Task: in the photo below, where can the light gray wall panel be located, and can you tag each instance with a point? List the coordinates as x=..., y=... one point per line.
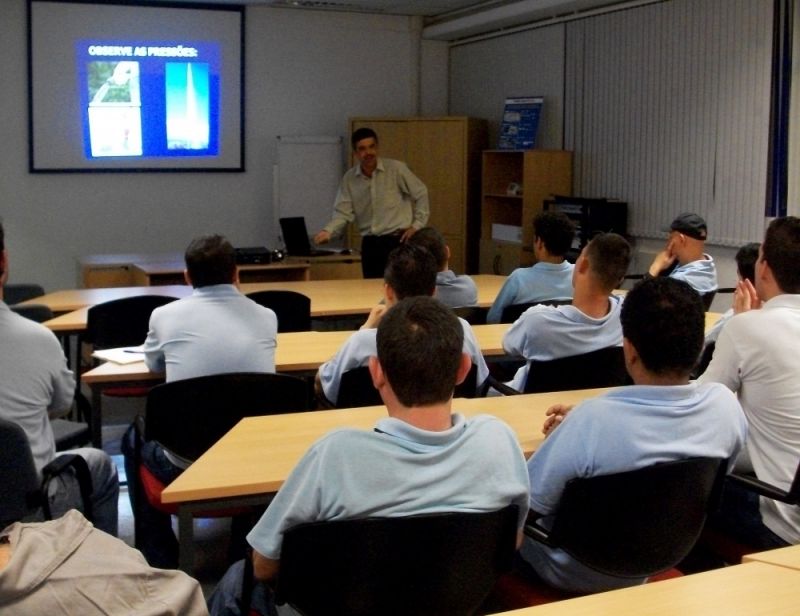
x=484, y=73
x=667, y=107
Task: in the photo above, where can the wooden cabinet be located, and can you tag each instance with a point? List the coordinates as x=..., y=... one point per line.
x=514, y=185
x=445, y=153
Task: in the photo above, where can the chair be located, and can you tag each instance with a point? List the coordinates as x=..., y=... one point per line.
x=443, y=563
x=633, y=524
x=23, y=493
x=601, y=368
x=708, y=299
x=727, y=548
x=187, y=417
x=122, y=322
x=356, y=388
x=35, y=312
x=514, y=311
x=474, y=315
x=292, y=309
x=70, y=434
x=20, y=292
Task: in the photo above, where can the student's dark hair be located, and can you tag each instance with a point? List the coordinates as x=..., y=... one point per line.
x=420, y=342
x=432, y=241
x=746, y=258
x=609, y=256
x=210, y=260
x=555, y=230
x=664, y=319
x=411, y=271
x=781, y=250
x=362, y=133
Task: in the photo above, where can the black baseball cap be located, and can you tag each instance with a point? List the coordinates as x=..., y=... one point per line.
x=690, y=225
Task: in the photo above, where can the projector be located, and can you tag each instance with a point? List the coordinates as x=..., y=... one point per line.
x=253, y=255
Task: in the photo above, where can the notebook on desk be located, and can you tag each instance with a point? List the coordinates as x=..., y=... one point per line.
x=295, y=237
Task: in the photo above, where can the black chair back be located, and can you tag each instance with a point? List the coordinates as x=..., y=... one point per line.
x=188, y=416
x=601, y=368
x=429, y=564
x=636, y=523
x=514, y=311
x=708, y=299
x=35, y=312
x=292, y=309
x=15, y=293
x=21, y=494
x=122, y=322
x=356, y=389
x=474, y=315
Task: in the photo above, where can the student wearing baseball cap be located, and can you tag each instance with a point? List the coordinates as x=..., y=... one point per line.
x=684, y=254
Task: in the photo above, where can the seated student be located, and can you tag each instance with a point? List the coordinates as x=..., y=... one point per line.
x=66, y=567
x=590, y=323
x=746, y=258
x=662, y=417
x=216, y=329
x=411, y=272
x=550, y=277
x=684, y=251
x=757, y=357
x=423, y=458
x=213, y=331
x=452, y=290
x=36, y=383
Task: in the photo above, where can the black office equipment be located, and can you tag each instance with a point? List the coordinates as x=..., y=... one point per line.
x=253, y=255
x=295, y=236
x=591, y=216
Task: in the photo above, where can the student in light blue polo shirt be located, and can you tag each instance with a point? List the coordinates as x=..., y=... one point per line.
x=452, y=289
x=422, y=458
x=550, y=277
x=684, y=251
x=662, y=417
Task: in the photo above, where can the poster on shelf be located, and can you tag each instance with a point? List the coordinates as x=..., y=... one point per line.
x=520, y=122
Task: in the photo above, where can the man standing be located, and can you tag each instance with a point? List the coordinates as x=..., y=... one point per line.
x=37, y=382
x=684, y=251
x=757, y=357
x=591, y=323
x=422, y=458
x=385, y=199
x=662, y=417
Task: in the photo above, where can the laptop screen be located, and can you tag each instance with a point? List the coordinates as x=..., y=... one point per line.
x=295, y=236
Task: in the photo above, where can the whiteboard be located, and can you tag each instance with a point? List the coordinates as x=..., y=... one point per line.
x=307, y=177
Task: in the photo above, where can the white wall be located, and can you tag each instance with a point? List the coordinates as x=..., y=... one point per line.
x=307, y=72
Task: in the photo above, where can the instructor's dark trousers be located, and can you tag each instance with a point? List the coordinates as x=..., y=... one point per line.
x=375, y=251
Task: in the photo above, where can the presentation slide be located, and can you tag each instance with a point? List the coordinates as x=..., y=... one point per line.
x=140, y=87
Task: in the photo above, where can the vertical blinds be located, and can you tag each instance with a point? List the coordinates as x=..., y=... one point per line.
x=667, y=107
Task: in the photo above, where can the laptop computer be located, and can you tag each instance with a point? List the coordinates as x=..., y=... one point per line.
x=295, y=237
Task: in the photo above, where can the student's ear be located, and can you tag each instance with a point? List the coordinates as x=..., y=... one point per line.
x=391, y=296
x=3, y=266
x=447, y=251
x=376, y=372
x=187, y=277
x=463, y=368
x=632, y=359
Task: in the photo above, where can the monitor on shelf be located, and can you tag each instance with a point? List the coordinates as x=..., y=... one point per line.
x=591, y=216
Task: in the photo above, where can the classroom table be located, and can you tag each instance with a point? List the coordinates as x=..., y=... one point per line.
x=252, y=461
x=751, y=588
x=298, y=352
x=329, y=298
x=782, y=557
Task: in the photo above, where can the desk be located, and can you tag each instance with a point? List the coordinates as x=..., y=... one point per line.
x=782, y=557
x=296, y=352
x=255, y=457
x=171, y=273
x=329, y=298
x=752, y=588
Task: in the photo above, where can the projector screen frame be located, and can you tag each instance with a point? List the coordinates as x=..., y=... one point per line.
x=153, y=164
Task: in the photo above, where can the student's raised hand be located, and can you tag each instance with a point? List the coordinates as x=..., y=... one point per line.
x=662, y=260
x=554, y=416
x=745, y=297
x=375, y=316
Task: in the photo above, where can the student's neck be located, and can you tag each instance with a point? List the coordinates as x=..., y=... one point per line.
x=692, y=256
x=649, y=378
x=546, y=257
x=593, y=303
x=433, y=417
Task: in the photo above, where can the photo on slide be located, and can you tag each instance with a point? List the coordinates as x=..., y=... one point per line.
x=187, y=94
x=115, y=122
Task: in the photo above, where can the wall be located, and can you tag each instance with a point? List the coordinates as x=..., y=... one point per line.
x=307, y=72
